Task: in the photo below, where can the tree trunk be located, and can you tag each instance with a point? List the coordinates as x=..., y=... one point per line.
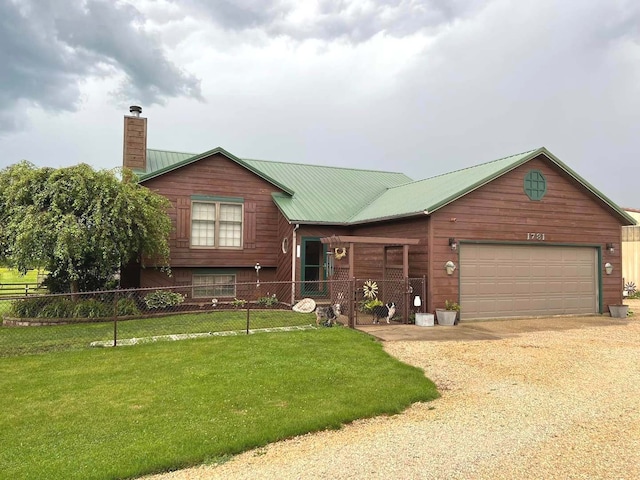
x=74, y=289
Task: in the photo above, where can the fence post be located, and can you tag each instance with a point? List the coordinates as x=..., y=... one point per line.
x=248, y=308
x=424, y=294
x=115, y=318
x=407, y=300
x=353, y=304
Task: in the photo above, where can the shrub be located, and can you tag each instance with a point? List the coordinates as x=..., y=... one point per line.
x=367, y=306
x=268, y=301
x=57, y=308
x=163, y=299
x=238, y=303
x=28, y=308
x=127, y=306
x=92, y=309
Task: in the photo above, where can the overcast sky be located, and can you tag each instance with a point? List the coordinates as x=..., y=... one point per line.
x=416, y=86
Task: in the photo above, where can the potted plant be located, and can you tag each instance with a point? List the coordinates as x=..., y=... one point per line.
x=448, y=314
x=619, y=311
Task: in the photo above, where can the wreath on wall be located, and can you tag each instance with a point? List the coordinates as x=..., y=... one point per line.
x=340, y=253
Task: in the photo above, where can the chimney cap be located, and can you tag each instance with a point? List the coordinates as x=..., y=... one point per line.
x=135, y=110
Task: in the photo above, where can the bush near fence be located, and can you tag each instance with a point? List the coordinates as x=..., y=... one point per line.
x=120, y=317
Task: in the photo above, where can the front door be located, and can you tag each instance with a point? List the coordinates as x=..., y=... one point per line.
x=313, y=267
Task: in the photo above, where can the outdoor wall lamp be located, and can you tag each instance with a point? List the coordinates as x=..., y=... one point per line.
x=610, y=248
x=453, y=244
x=608, y=268
x=450, y=267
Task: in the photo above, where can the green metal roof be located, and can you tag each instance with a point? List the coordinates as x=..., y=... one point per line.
x=161, y=159
x=326, y=194
x=426, y=196
x=333, y=195
x=312, y=193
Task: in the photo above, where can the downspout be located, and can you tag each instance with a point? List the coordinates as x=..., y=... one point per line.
x=294, y=249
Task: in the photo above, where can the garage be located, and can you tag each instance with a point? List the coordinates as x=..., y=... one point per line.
x=502, y=280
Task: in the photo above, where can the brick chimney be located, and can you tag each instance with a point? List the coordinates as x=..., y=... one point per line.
x=135, y=140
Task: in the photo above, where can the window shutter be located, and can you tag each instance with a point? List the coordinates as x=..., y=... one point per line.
x=183, y=222
x=250, y=225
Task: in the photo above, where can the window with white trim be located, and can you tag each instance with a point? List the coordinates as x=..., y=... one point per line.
x=214, y=285
x=216, y=224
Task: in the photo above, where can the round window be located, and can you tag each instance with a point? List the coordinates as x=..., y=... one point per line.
x=285, y=245
x=535, y=185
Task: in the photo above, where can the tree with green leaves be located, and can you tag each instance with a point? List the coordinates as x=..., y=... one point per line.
x=79, y=224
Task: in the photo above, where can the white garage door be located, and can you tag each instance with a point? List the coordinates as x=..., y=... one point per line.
x=521, y=280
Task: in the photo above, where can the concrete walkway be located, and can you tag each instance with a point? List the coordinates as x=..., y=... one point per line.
x=485, y=329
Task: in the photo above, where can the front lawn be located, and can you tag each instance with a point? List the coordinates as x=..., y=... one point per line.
x=126, y=412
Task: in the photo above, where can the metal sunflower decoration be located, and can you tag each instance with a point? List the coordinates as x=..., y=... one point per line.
x=370, y=289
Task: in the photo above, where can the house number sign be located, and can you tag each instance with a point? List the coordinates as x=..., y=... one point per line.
x=535, y=236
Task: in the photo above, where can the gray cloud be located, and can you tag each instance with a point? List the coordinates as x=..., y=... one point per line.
x=336, y=19
x=48, y=48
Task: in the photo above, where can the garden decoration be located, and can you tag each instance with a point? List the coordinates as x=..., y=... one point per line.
x=370, y=289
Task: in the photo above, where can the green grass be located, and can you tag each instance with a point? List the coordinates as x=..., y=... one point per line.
x=8, y=275
x=126, y=412
x=29, y=340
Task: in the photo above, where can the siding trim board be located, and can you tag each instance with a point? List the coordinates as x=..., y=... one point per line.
x=214, y=198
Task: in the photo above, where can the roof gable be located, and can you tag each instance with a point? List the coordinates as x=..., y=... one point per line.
x=160, y=162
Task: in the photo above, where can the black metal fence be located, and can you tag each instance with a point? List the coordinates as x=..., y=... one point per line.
x=43, y=323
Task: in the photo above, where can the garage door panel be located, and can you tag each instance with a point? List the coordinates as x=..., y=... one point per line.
x=521, y=280
x=539, y=271
x=487, y=270
x=520, y=288
x=504, y=288
x=485, y=288
x=538, y=287
x=518, y=255
x=583, y=271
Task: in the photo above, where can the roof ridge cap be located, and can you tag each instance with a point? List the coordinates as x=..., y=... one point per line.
x=323, y=166
x=365, y=205
x=484, y=163
x=172, y=151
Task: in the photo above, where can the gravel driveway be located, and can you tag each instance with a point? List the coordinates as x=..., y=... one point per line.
x=540, y=404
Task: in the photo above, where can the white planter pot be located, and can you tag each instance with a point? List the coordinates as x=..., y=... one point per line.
x=424, y=319
x=446, y=317
x=619, y=311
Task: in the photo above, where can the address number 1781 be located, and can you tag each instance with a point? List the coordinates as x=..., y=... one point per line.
x=535, y=236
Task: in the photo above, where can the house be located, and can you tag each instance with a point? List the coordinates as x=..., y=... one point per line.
x=520, y=236
x=631, y=251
